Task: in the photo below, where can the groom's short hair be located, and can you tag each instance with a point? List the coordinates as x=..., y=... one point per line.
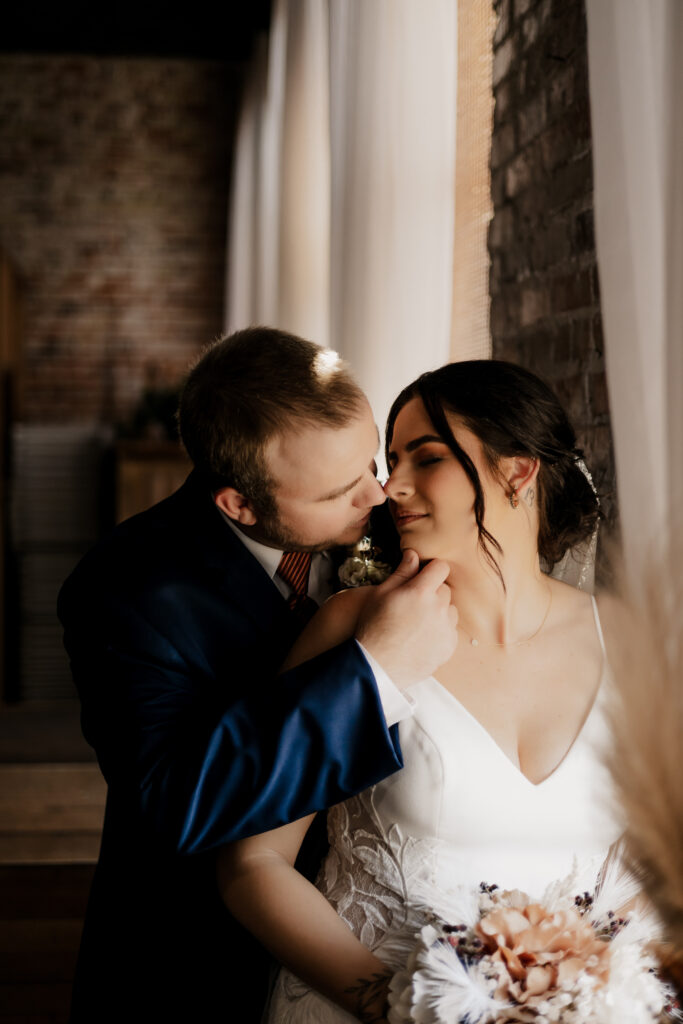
x=247, y=388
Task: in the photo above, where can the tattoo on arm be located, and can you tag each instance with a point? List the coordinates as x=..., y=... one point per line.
x=529, y=495
x=371, y=997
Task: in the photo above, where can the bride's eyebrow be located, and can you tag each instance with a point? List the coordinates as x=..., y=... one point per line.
x=415, y=443
x=412, y=445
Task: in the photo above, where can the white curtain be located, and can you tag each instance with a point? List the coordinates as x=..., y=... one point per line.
x=342, y=203
x=636, y=89
x=278, y=242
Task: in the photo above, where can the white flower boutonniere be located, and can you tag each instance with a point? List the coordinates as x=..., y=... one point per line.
x=362, y=568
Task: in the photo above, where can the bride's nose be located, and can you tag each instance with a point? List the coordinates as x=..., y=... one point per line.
x=398, y=485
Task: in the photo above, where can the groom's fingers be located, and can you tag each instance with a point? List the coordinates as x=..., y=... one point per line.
x=408, y=624
x=432, y=577
x=406, y=570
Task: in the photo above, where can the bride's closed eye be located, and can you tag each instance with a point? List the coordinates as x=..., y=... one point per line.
x=429, y=461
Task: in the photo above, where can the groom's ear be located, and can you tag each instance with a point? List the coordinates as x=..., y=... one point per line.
x=235, y=506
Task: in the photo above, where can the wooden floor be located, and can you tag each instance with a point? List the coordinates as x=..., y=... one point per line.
x=41, y=917
x=51, y=808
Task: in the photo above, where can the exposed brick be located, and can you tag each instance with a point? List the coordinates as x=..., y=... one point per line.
x=597, y=391
x=502, y=229
x=544, y=275
x=519, y=174
x=571, y=390
x=598, y=340
x=558, y=145
x=532, y=206
x=571, y=291
x=505, y=308
x=497, y=188
x=503, y=145
x=113, y=195
x=532, y=118
x=563, y=349
x=535, y=304
x=566, y=30
x=561, y=90
x=533, y=348
x=572, y=181
x=521, y=7
x=584, y=232
x=508, y=348
x=596, y=286
x=504, y=95
x=496, y=273
x=582, y=337
x=499, y=319
x=531, y=28
x=503, y=23
x=550, y=245
x=502, y=60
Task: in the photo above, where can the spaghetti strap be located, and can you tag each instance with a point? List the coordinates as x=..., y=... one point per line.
x=598, y=626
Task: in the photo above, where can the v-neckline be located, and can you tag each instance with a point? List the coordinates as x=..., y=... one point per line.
x=515, y=768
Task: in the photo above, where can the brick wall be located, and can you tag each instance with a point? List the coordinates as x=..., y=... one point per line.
x=545, y=298
x=113, y=197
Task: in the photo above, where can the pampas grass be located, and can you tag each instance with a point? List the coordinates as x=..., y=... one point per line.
x=644, y=635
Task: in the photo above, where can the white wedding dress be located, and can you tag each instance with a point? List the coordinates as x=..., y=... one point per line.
x=458, y=814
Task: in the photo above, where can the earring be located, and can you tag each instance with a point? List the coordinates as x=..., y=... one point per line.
x=514, y=500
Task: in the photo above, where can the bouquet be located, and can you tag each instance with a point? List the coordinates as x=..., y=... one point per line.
x=566, y=960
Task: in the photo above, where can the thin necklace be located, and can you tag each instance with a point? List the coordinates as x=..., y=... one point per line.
x=495, y=643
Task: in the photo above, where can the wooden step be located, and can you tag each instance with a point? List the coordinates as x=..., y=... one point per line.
x=50, y=813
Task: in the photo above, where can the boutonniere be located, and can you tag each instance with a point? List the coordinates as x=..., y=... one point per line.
x=362, y=567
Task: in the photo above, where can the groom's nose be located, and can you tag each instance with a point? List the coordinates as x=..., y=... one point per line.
x=371, y=493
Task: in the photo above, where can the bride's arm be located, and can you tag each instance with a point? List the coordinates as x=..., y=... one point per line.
x=288, y=915
x=294, y=921
x=335, y=622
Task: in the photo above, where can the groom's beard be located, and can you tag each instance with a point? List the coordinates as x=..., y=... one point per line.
x=273, y=531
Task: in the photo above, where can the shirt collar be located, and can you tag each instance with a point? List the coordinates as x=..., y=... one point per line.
x=267, y=557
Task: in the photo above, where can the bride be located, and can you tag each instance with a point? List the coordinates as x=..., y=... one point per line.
x=503, y=780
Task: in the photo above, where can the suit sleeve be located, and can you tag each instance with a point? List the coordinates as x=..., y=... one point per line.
x=202, y=773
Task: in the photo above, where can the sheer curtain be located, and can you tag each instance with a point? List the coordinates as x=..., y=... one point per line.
x=341, y=225
x=636, y=85
x=278, y=241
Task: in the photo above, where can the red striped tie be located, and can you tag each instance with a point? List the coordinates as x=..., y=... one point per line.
x=294, y=568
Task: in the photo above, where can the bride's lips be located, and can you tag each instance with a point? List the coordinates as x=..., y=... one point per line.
x=405, y=518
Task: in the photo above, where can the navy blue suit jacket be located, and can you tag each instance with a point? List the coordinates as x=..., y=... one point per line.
x=175, y=635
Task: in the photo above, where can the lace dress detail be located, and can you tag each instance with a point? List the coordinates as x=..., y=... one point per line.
x=373, y=876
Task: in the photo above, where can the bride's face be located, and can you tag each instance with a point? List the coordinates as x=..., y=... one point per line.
x=431, y=497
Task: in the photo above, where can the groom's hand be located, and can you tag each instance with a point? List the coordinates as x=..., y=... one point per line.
x=408, y=623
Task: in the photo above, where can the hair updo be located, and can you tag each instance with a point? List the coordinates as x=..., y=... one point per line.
x=512, y=412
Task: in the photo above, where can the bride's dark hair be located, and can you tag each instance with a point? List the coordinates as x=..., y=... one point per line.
x=512, y=412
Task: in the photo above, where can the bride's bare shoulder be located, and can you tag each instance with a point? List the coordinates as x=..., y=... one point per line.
x=335, y=622
x=568, y=598
x=576, y=614
x=575, y=600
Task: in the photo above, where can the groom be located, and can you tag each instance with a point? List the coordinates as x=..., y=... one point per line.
x=176, y=625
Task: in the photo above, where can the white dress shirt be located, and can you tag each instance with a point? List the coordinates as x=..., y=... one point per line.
x=396, y=704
